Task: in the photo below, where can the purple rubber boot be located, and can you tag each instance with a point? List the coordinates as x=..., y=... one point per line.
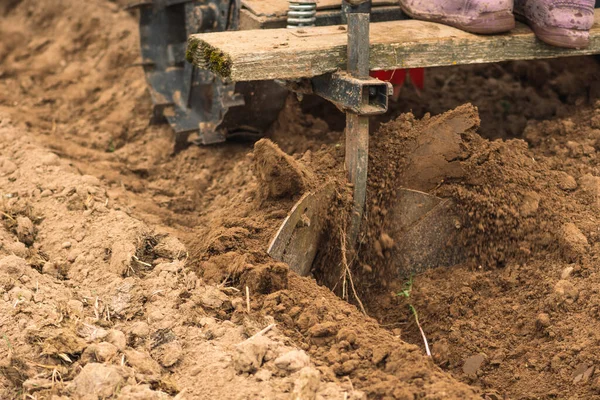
x=563, y=23
x=476, y=16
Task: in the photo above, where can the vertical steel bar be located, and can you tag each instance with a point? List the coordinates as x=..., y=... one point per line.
x=357, y=126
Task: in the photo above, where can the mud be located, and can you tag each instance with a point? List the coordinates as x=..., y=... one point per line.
x=128, y=271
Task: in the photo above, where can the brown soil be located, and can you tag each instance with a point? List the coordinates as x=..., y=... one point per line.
x=124, y=267
x=519, y=318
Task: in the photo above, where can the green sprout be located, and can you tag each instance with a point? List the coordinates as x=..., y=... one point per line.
x=406, y=293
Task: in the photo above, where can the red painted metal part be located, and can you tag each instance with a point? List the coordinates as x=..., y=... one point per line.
x=398, y=77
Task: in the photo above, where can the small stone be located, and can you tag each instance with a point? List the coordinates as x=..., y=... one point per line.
x=473, y=364
x=566, y=273
x=66, y=245
x=46, y=193
x=79, y=235
x=542, y=321
x=117, y=338
x=292, y=360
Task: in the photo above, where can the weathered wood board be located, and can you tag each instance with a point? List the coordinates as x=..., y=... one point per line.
x=307, y=52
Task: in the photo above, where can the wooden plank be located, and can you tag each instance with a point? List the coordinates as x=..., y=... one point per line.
x=279, y=8
x=307, y=52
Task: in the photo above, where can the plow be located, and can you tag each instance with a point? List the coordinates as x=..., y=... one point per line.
x=221, y=69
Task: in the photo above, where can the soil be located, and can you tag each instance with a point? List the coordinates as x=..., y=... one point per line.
x=518, y=317
x=129, y=271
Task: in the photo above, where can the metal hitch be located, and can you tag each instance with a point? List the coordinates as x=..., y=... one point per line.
x=362, y=96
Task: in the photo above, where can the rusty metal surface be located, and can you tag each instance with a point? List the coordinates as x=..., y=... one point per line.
x=297, y=240
x=191, y=99
x=368, y=96
x=357, y=125
x=425, y=229
x=280, y=7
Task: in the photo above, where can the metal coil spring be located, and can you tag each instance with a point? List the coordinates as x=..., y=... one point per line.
x=301, y=13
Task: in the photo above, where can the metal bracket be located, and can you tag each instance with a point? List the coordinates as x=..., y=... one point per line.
x=362, y=96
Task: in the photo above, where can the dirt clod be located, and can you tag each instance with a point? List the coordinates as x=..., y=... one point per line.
x=573, y=241
x=472, y=365
x=566, y=291
x=99, y=353
x=542, y=321
x=117, y=338
x=64, y=341
x=96, y=381
x=249, y=355
x=292, y=361
x=142, y=363
x=25, y=231
x=280, y=175
x=13, y=266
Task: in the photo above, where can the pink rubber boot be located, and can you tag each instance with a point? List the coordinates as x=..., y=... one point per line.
x=476, y=16
x=563, y=23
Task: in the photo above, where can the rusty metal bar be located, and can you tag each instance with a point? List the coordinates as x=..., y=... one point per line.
x=357, y=126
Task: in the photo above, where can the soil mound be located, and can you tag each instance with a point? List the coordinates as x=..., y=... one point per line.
x=528, y=225
x=99, y=293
